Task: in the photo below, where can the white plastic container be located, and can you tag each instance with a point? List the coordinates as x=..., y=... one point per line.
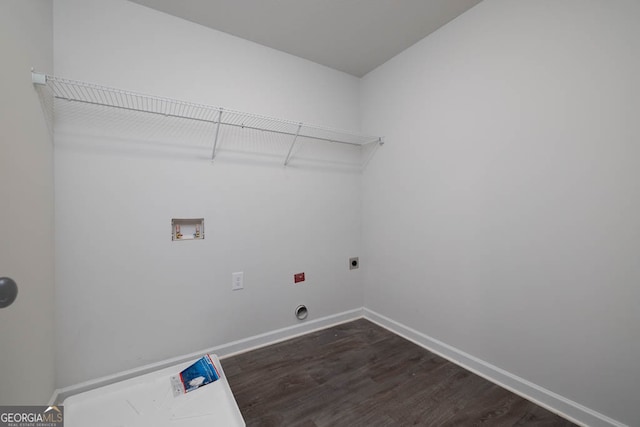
x=148, y=401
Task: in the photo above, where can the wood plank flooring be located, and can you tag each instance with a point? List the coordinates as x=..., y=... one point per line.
x=359, y=374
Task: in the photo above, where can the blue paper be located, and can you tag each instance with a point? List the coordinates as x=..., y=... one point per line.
x=200, y=373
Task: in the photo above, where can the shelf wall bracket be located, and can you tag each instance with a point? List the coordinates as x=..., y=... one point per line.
x=38, y=78
x=372, y=148
x=286, y=161
x=215, y=141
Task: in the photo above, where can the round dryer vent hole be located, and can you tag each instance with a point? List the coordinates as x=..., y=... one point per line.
x=301, y=312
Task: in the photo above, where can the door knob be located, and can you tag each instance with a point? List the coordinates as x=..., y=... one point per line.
x=8, y=291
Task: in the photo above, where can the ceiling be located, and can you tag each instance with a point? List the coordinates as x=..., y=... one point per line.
x=354, y=36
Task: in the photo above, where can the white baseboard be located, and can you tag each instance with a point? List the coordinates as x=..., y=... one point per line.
x=560, y=405
x=273, y=337
x=223, y=351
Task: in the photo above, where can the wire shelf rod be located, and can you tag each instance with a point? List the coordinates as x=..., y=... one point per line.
x=241, y=126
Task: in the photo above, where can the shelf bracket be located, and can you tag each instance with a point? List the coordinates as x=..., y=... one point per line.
x=215, y=141
x=38, y=78
x=286, y=161
x=374, y=146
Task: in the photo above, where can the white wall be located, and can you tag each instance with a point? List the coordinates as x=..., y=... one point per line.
x=26, y=214
x=504, y=215
x=127, y=295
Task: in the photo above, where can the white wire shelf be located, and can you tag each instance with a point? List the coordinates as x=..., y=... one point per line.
x=211, y=121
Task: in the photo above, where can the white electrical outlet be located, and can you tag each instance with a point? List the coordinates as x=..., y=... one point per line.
x=237, y=281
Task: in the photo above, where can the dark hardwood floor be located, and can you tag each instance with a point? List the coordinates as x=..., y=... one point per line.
x=359, y=374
